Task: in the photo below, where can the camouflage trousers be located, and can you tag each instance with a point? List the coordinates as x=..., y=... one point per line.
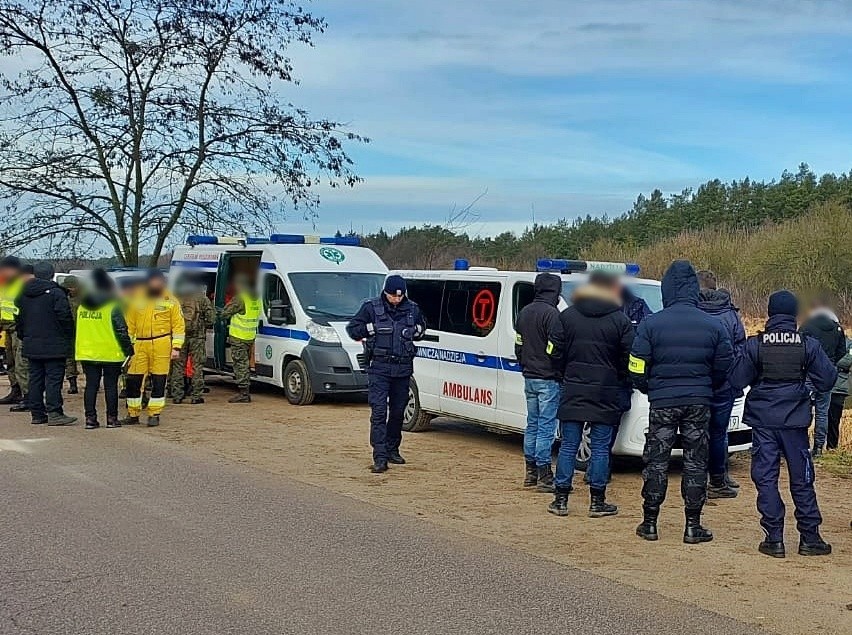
x=240, y=358
x=693, y=423
x=21, y=372
x=194, y=349
x=71, y=369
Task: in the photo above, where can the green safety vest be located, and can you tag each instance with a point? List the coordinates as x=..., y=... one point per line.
x=244, y=325
x=8, y=295
x=96, y=340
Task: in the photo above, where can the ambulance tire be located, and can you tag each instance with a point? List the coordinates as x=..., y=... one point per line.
x=297, y=383
x=415, y=420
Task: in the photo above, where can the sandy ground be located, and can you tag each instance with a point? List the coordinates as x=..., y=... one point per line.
x=469, y=480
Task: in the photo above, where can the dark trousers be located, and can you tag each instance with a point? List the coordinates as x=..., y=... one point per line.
x=94, y=371
x=45, y=393
x=387, y=397
x=768, y=447
x=720, y=418
x=693, y=423
x=835, y=412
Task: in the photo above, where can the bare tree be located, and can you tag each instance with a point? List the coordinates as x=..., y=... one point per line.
x=131, y=119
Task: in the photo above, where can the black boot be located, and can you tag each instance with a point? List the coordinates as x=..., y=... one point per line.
x=730, y=482
x=60, y=419
x=719, y=488
x=395, y=457
x=531, y=475
x=545, y=479
x=22, y=406
x=598, y=508
x=648, y=528
x=13, y=397
x=379, y=467
x=196, y=400
x=818, y=547
x=130, y=421
x=113, y=422
x=694, y=533
x=242, y=397
x=92, y=423
x=771, y=548
x=559, y=506
x=72, y=386
x=153, y=421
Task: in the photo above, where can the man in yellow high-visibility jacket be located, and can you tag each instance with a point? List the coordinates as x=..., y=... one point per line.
x=157, y=330
x=244, y=312
x=11, y=285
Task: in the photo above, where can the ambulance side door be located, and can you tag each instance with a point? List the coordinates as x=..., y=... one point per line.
x=428, y=293
x=511, y=403
x=277, y=318
x=468, y=348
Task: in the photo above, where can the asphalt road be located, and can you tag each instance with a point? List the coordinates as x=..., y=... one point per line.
x=115, y=532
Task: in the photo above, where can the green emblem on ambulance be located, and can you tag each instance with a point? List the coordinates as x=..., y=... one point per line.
x=334, y=255
x=268, y=352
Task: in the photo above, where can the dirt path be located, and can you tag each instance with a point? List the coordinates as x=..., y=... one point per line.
x=468, y=480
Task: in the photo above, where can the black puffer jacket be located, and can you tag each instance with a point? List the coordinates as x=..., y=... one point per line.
x=44, y=322
x=823, y=326
x=539, y=342
x=598, y=337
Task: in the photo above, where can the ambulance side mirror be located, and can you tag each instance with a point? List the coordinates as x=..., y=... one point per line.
x=280, y=313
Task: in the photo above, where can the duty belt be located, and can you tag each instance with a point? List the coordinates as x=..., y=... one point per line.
x=393, y=359
x=156, y=337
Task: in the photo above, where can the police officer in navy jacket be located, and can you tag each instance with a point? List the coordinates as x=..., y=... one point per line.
x=777, y=363
x=389, y=325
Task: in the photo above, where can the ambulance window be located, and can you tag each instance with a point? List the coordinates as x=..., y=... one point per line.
x=522, y=295
x=427, y=294
x=274, y=293
x=470, y=308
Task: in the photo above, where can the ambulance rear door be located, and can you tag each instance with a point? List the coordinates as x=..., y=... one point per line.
x=511, y=402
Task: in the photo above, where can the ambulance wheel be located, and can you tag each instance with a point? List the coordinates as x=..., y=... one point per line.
x=297, y=383
x=584, y=452
x=414, y=419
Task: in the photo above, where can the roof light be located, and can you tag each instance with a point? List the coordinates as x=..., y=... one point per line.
x=560, y=266
x=461, y=264
x=287, y=239
x=350, y=241
x=257, y=240
x=579, y=266
x=194, y=239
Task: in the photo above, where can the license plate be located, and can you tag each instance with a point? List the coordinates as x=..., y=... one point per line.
x=733, y=423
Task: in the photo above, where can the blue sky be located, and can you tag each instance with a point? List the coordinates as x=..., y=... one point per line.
x=571, y=107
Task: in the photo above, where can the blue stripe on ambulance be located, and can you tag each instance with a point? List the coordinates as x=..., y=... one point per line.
x=290, y=334
x=468, y=359
x=196, y=264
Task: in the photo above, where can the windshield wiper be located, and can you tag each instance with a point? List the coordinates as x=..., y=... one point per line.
x=332, y=316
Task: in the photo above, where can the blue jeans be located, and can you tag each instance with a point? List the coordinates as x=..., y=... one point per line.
x=822, y=402
x=542, y=404
x=598, y=468
x=720, y=417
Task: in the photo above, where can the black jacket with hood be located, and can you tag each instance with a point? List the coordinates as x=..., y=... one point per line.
x=681, y=354
x=44, y=323
x=539, y=341
x=598, y=337
x=823, y=326
x=97, y=299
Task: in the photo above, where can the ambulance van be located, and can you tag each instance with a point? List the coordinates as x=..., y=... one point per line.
x=466, y=366
x=310, y=287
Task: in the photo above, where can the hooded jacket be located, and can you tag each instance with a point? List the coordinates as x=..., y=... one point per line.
x=598, y=337
x=44, y=323
x=635, y=308
x=777, y=404
x=718, y=303
x=539, y=339
x=680, y=355
x=97, y=299
x=824, y=326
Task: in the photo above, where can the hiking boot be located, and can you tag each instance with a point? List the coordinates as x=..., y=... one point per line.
x=14, y=396
x=21, y=406
x=772, y=548
x=130, y=421
x=72, y=386
x=816, y=453
x=113, y=422
x=719, y=488
x=379, y=467
x=395, y=457
x=693, y=532
x=545, y=479
x=242, y=397
x=730, y=482
x=559, y=506
x=205, y=390
x=531, y=475
x=40, y=421
x=196, y=400
x=818, y=547
x=92, y=423
x=598, y=507
x=153, y=421
x=647, y=529
x=60, y=419
x=177, y=401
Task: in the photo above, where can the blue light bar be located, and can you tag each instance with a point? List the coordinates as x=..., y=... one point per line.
x=579, y=266
x=347, y=241
x=632, y=269
x=287, y=239
x=461, y=264
x=257, y=240
x=194, y=239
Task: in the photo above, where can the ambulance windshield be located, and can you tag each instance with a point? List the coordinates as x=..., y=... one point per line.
x=330, y=295
x=651, y=293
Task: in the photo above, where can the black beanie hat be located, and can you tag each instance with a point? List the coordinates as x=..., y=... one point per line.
x=783, y=303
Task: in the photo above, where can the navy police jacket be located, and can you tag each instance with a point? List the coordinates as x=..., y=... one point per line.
x=389, y=333
x=680, y=354
x=777, y=363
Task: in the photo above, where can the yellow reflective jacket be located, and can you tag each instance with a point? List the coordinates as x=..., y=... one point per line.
x=155, y=318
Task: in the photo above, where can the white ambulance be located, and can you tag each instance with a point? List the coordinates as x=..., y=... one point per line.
x=466, y=367
x=310, y=287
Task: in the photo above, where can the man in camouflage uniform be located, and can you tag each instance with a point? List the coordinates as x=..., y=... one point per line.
x=243, y=311
x=199, y=315
x=22, y=364
x=72, y=287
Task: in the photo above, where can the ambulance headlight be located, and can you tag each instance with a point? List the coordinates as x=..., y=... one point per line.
x=322, y=333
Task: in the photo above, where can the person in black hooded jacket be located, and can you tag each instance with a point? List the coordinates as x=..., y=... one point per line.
x=46, y=328
x=538, y=348
x=598, y=337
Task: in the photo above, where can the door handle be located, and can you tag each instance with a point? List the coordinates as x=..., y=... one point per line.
x=431, y=338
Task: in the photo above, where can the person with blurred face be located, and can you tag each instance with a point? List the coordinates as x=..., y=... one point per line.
x=156, y=328
x=243, y=311
x=11, y=285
